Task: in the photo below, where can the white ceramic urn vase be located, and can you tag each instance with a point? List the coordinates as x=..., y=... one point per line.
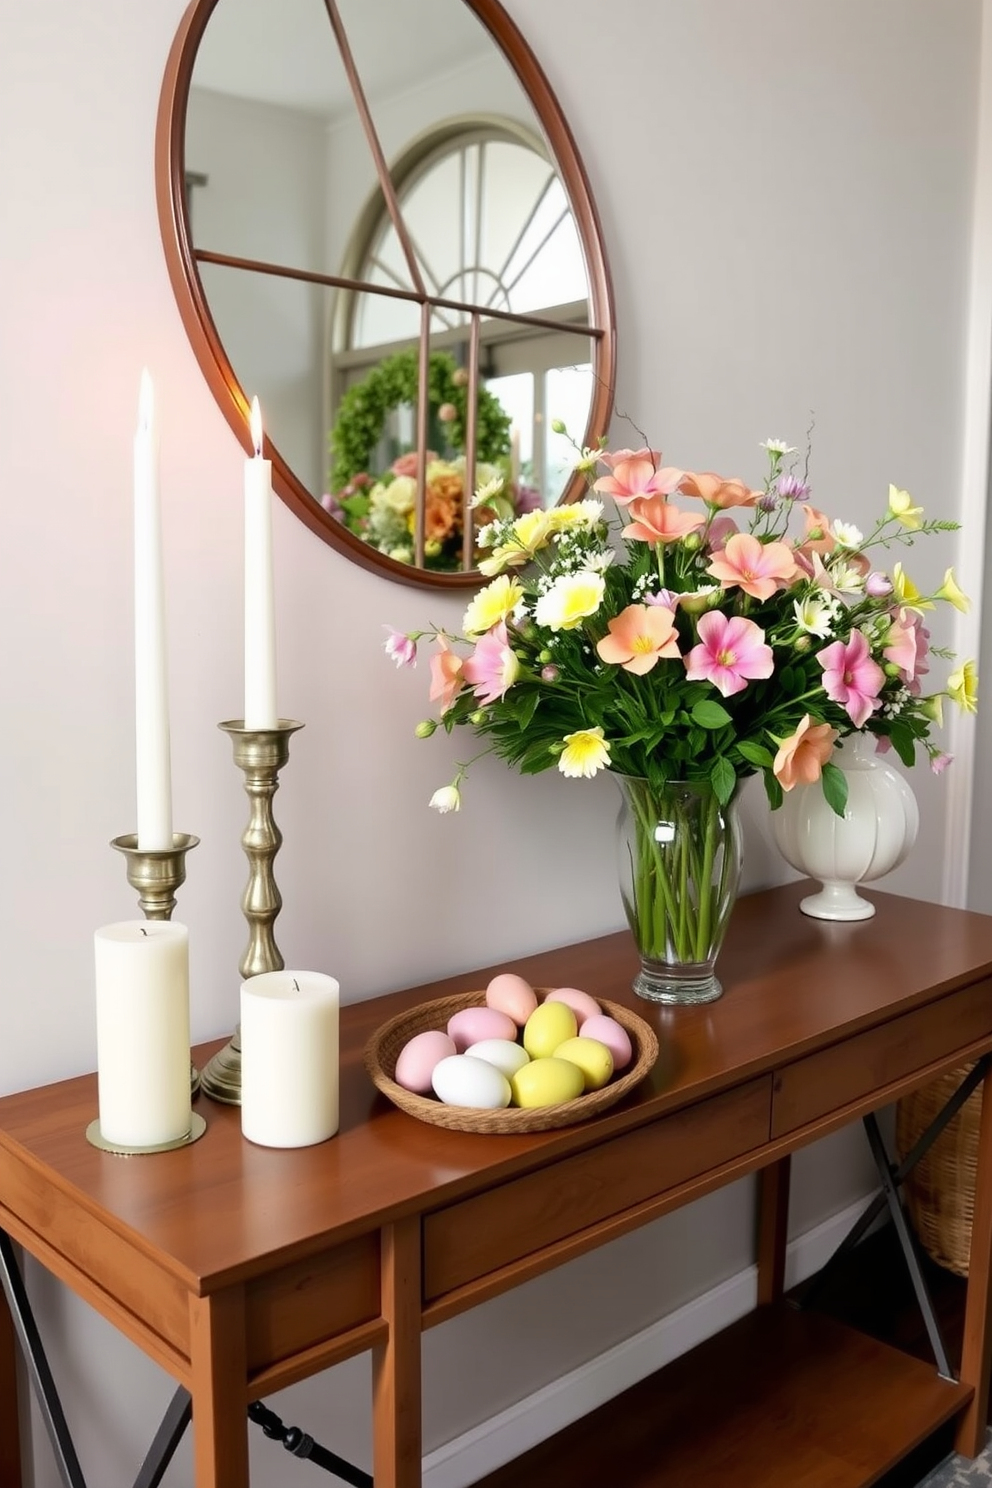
x=873, y=836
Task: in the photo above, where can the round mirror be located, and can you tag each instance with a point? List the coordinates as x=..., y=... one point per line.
x=376, y=220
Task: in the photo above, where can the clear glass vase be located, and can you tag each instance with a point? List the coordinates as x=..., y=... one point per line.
x=679, y=856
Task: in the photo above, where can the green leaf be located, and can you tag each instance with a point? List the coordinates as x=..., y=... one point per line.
x=709, y=715
x=756, y=754
x=835, y=788
x=903, y=743
x=723, y=778
x=772, y=790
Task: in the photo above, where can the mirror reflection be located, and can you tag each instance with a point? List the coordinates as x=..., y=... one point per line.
x=389, y=253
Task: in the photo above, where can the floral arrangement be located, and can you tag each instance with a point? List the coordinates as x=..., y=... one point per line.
x=379, y=506
x=382, y=510
x=706, y=640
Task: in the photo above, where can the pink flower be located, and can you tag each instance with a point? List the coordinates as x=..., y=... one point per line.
x=940, y=762
x=757, y=568
x=639, y=636
x=493, y=666
x=400, y=647
x=636, y=474
x=446, y=675
x=907, y=645
x=878, y=585
x=719, y=532
x=731, y=652
x=407, y=464
x=851, y=678
x=657, y=520
x=715, y=490
x=801, y=757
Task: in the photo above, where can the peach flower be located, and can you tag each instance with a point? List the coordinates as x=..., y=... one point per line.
x=657, y=520
x=801, y=757
x=639, y=636
x=715, y=490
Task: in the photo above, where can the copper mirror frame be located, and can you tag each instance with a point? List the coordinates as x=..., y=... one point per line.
x=183, y=259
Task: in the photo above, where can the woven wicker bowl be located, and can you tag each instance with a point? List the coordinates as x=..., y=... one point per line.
x=940, y=1189
x=383, y=1048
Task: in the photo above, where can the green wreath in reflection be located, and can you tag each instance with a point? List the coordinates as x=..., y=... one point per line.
x=365, y=407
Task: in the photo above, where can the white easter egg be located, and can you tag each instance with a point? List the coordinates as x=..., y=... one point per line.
x=500, y=1052
x=463, y=1080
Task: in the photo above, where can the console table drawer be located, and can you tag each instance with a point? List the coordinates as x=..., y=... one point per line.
x=837, y=1077
x=308, y=1302
x=471, y=1239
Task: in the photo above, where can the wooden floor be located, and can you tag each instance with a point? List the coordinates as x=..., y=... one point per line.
x=668, y=1432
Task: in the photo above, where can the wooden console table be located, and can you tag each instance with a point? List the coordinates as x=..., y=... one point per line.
x=241, y=1270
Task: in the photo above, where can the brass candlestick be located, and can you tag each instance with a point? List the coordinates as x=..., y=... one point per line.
x=260, y=754
x=157, y=873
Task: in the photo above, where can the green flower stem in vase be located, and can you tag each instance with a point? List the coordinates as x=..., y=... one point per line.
x=680, y=855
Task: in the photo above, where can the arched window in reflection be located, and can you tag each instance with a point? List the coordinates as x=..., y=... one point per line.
x=490, y=225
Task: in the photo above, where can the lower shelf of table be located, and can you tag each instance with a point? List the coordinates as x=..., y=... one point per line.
x=781, y=1399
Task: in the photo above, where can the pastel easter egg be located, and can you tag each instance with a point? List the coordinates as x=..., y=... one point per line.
x=462, y=1080
x=417, y=1058
x=500, y=1052
x=582, y=1005
x=511, y=994
x=592, y=1057
x=473, y=1024
x=549, y=1025
x=611, y=1033
x=546, y=1082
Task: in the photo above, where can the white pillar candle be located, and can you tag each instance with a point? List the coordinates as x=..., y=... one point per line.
x=151, y=697
x=260, y=628
x=142, y=1032
x=289, y=1058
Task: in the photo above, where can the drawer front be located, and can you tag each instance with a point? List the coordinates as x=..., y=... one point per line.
x=479, y=1235
x=311, y=1301
x=836, y=1077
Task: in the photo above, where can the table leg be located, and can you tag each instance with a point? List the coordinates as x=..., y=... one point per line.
x=976, y=1352
x=773, y=1229
x=396, y=1404
x=219, y=1388
x=10, y=1437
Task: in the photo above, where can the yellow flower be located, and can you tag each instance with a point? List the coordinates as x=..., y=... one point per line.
x=491, y=605
x=576, y=514
x=949, y=590
x=901, y=506
x=584, y=754
x=571, y=598
x=962, y=687
x=905, y=592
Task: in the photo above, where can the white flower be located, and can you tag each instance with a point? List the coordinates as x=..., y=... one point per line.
x=570, y=599
x=777, y=447
x=399, y=495
x=486, y=493
x=847, y=578
x=847, y=535
x=815, y=614
x=447, y=798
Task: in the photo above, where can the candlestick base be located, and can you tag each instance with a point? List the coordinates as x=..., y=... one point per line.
x=96, y=1138
x=260, y=754
x=157, y=873
x=221, y=1075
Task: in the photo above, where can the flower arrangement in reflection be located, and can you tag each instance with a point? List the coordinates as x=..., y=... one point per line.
x=382, y=511
x=708, y=631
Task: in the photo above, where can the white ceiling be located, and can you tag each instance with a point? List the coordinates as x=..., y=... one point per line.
x=284, y=52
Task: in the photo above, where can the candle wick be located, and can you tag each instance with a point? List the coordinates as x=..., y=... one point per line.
x=142, y=929
x=296, y=985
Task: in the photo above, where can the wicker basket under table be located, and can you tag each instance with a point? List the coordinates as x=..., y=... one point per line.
x=940, y=1190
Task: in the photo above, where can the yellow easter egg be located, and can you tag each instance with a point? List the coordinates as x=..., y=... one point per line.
x=546, y=1082
x=548, y=1026
x=592, y=1057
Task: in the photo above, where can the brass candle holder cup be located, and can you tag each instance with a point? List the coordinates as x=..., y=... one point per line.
x=156, y=873
x=260, y=754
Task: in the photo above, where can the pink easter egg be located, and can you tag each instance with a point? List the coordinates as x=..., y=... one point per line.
x=417, y=1058
x=473, y=1024
x=613, y=1035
